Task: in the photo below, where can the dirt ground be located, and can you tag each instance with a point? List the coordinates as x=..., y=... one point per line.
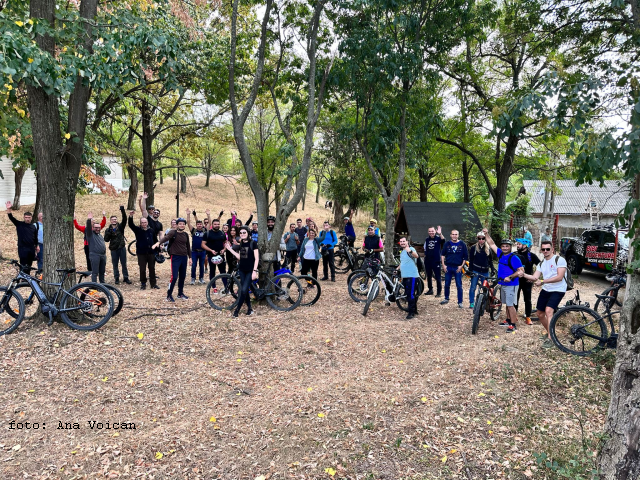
x=318, y=393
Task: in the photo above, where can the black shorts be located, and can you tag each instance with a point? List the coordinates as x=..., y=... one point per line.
x=549, y=299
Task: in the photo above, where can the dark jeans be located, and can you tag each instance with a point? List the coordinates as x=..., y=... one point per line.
x=86, y=255
x=410, y=289
x=178, y=273
x=525, y=288
x=475, y=280
x=310, y=264
x=39, y=256
x=328, y=261
x=98, y=266
x=144, y=261
x=449, y=274
x=119, y=256
x=26, y=257
x=292, y=259
x=433, y=270
x=243, y=295
x=222, y=268
x=198, y=258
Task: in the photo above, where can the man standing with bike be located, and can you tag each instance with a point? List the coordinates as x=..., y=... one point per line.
x=214, y=244
x=145, y=238
x=27, y=237
x=328, y=240
x=291, y=240
x=409, y=271
x=551, y=276
x=454, y=254
x=180, y=252
x=509, y=270
x=97, y=249
x=117, y=246
x=372, y=244
x=432, y=253
x=480, y=262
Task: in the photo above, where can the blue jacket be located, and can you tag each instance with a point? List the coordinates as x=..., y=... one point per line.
x=316, y=248
x=455, y=253
x=329, y=238
x=432, y=249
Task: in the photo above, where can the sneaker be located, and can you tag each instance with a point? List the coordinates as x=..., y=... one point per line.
x=192, y=282
x=528, y=321
x=170, y=299
x=471, y=306
x=127, y=281
x=182, y=296
x=504, y=323
x=429, y=292
x=459, y=305
x=333, y=280
x=143, y=286
x=117, y=282
x=410, y=316
x=250, y=312
x=155, y=287
x=444, y=302
x=548, y=343
x=235, y=313
x=511, y=328
x=201, y=281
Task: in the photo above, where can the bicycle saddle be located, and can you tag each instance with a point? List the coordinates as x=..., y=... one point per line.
x=84, y=274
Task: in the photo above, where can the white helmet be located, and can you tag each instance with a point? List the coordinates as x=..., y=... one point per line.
x=217, y=260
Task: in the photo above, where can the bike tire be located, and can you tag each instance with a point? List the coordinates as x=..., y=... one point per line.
x=117, y=296
x=342, y=263
x=31, y=303
x=600, y=304
x=401, y=297
x=311, y=290
x=572, y=325
x=373, y=293
x=11, y=310
x=220, y=292
x=131, y=248
x=359, y=286
x=284, y=298
x=477, y=313
x=494, y=312
x=98, y=301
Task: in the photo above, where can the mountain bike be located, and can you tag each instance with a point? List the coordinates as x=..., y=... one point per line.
x=283, y=292
x=618, y=279
x=347, y=257
x=488, y=299
x=359, y=280
x=580, y=330
x=394, y=291
x=85, y=306
x=31, y=303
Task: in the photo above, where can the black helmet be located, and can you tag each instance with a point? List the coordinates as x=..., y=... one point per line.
x=160, y=258
x=178, y=220
x=271, y=217
x=505, y=241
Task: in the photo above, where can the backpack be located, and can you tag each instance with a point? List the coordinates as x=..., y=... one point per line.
x=567, y=274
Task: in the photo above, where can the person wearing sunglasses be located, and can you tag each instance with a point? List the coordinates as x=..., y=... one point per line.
x=480, y=262
x=550, y=274
x=248, y=256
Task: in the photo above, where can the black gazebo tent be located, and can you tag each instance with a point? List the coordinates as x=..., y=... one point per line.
x=415, y=218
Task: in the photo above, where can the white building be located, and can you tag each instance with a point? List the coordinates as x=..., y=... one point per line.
x=116, y=177
x=8, y=184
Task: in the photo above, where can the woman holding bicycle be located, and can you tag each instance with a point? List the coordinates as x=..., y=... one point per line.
x=248, y=257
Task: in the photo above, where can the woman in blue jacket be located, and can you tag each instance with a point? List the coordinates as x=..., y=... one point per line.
x=310, y=254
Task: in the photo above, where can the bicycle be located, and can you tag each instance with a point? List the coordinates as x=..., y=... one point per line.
x=163, y=249
x=618, y=279
x=347, y=257
x=222, y=291
x=488, y=299
x=31, y=305
x=580, y=330
x=393, y=291
x=85, y=306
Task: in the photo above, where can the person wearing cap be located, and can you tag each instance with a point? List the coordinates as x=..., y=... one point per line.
x=372, y=243
x=529, y=260
x=510, y=270
x=349, y=231
x=432, y=253
x=374, y=223
x=180, y=252
x=480, y=262
x=454, y=254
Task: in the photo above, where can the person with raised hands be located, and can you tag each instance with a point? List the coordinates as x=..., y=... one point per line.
x=97, y=249
x=81, y=228
x=27, y=237
x=180, y=251
x=114, y=235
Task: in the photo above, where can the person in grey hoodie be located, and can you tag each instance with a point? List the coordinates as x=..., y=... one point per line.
x=97, y=249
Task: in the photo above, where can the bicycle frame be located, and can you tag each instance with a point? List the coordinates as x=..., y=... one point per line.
x=494, y=302
x=390, y=287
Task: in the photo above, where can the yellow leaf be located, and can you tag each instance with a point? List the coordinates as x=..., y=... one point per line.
x=159, y=455
x=30, y=391
x=73, y=452
x=239, y=360
x=321, y=415
x=384, y=351
x=30, y=60
x=490, y=432
x=488, y=422
x=67, y=136
x=453, y=450
x=19, y=23
x=213, y=419
x=460, y=419
x=309, y=389
x=105, y=379
x=330, y=471
x=481, y=394
x=140, y=335
x=424, y=399
x=30, y=22
x=116, y=434
x=496, y=336
x=240, y=352
x=443, y=459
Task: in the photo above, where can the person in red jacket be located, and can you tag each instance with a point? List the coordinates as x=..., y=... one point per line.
x=81, y=228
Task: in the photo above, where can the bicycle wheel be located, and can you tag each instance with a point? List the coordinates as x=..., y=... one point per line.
x=284, y=292
x=478, y=310
x=401, y=296
x=359, y=286
x=11, y=310
x=220, y=292
x=90, y=306
x=613, y=301
x=373, y=293
x=311, y=290
x=419, y=286
x=31, y=303
x=342, y=263
x=578, y=330
x=117, y=297
x=495, y=311
x=131, y=248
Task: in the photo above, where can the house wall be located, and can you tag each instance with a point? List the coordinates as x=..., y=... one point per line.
x=7, y=185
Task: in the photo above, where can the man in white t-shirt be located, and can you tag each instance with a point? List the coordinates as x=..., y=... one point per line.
x=549, y=275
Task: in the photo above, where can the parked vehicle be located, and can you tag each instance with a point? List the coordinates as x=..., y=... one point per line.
x=597, y=248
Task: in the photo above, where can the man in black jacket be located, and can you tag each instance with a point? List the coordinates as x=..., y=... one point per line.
x=145, y=238
x=214, y=244
x=27, y=237
x=118, y=246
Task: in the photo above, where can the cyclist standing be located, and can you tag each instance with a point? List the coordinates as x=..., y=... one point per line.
x=117, y=246
x=454, y=254
x=254, y=231
x=372, y=243
x=328, y=240
x=214, y=244
x=198, y=254
x=180, y=252
x=27, y=237
x=349, y=231
x=529, y=260
x=409, y=270
x=97, y=249
x=310, y=254
x=151, y=213
x=480, y=262
x=292, y=241
x=145, y=238
x=432, y=253
x=248, y=257
x=509, y=270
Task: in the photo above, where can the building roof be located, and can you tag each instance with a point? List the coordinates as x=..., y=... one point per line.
x=415, y=218
x=574, y=200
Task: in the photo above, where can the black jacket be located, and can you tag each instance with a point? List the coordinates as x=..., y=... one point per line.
x=27, y=234
x=479, y=261
x=144, y=238
x=115, y=236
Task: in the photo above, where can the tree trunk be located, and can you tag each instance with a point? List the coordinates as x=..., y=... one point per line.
x=133, y=189
x=338, y=215
x=465, y=182
x=423, y=182
x=183, y=183
x=376, y=208
x=148, y=173
x=390, y=225
x=19, y=175
x=276, y=193
x=318, y=182
x=503, y=173
x=161, y=177
x=207, y=169
x=304, y=196
x=37, y=207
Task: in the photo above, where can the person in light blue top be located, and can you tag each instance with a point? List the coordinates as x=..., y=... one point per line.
x=528, y=236
x=409, y=271
x=40, y=242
